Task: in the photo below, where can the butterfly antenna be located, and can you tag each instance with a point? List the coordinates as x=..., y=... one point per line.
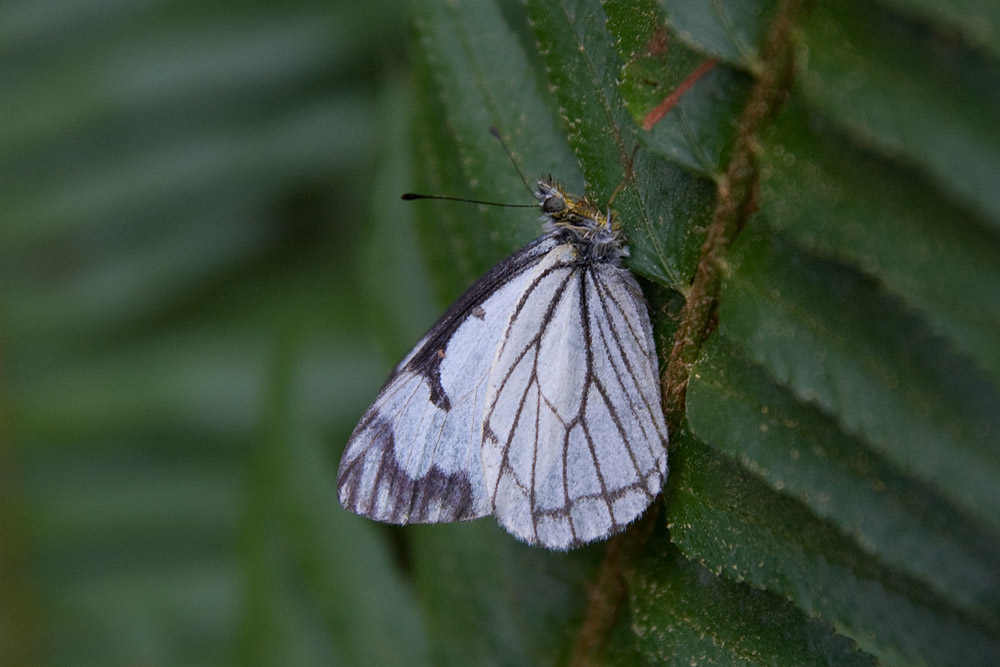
x=496, y=133
x=409, y=196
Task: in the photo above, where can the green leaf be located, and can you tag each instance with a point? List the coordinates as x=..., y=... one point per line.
x=660, y=200
x=698, y=131
x=799, y=451
x=366, y=610
x=475, y=74
x=493, y=600
x=681, y=613
x=910, y=91
x=179, y=182
x=852, y=380
x=839, y=341
x=976, y=21
x=399, y=311
x=936, y=257
x=738, y=527
x=731, y=30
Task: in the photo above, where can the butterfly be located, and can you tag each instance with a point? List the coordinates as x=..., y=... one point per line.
x=535, y=398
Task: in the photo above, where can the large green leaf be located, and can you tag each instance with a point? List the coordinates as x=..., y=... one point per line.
x=855, y=365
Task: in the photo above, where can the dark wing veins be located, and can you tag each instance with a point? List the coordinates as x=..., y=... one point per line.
x=427, y=360
x=394, y=496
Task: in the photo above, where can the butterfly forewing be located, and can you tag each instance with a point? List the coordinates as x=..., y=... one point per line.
x=415, y=455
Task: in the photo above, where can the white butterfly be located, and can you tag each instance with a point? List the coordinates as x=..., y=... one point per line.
x=534, y=398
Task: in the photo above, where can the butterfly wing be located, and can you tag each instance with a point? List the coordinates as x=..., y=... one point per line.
x=415, y=457
x=574, y=440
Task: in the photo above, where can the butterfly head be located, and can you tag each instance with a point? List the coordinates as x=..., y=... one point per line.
x=595, y=235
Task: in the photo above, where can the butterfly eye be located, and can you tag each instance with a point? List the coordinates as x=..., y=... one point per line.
x=553, y=205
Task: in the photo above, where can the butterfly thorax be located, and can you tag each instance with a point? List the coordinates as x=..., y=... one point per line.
x=594, y=235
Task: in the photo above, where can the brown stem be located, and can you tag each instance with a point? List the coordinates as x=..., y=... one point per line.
x=735, y=202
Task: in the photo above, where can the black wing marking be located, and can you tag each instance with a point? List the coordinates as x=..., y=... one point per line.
x=426, y=357
x=416, y=454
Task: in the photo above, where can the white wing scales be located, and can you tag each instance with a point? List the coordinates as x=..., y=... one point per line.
x=415, y=455
x=574, y=446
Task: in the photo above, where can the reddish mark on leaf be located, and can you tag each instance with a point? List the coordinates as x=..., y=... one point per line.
x=657, y=44
x=661, y=109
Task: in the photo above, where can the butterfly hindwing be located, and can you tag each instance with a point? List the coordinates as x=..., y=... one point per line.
x=415, y=457
x=574, y=441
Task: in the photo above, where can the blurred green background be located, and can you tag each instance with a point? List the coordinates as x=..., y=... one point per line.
x=185, y=348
